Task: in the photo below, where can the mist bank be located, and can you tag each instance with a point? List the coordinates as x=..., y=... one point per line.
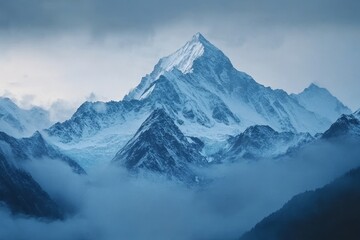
x=112, y=204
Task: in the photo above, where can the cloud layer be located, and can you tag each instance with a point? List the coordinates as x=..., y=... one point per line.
x=110, y=204
x=140, y=15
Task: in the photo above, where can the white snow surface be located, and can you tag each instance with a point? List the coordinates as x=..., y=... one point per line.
x=183, y=58
x=96, y=151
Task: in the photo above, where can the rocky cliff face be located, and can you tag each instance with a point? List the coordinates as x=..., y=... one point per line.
x=160, y=147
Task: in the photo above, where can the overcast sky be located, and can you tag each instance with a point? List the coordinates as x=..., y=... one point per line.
x=62, y=52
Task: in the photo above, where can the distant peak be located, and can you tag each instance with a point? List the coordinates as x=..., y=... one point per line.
x=259, y=129
x=314, y=86
x=6, y=100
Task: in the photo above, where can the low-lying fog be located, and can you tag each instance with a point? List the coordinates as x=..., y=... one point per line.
x=111, y=204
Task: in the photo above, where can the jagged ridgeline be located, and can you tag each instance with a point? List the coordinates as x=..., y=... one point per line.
x=207, y=98
x=193, y=110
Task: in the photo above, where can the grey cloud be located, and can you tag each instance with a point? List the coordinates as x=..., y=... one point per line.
x=143, y=15
x=282, y=44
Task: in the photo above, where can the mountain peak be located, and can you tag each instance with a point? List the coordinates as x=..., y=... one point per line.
x=7, y=102
x=19, y=122
x=313, y=86
x=256, y=129
x=198, y=37
x=319, y=100
x=158, y=116
x=5, y=99
x=160, y=147
x=346, y=125
x=197, y=55
x=316, y=88
x=184, y=57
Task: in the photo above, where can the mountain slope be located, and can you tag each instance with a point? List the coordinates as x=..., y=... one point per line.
x=160, y=147
x=34, y=147
x=200, y=89
x=262, y=142
x=18, y=122
x=331, y=212
x=345, y=126
x=212, y=92
x=322, y=102
x=23, y=195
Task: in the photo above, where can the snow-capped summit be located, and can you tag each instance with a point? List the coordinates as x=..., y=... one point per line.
x=199, y=88
x=182, y=60
x=322, y=102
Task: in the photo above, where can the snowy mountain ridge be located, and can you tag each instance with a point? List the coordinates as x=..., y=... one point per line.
x=34, y=148
x=237, y=96
x=198, y=87
x=344, y=126
x=258, y=142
